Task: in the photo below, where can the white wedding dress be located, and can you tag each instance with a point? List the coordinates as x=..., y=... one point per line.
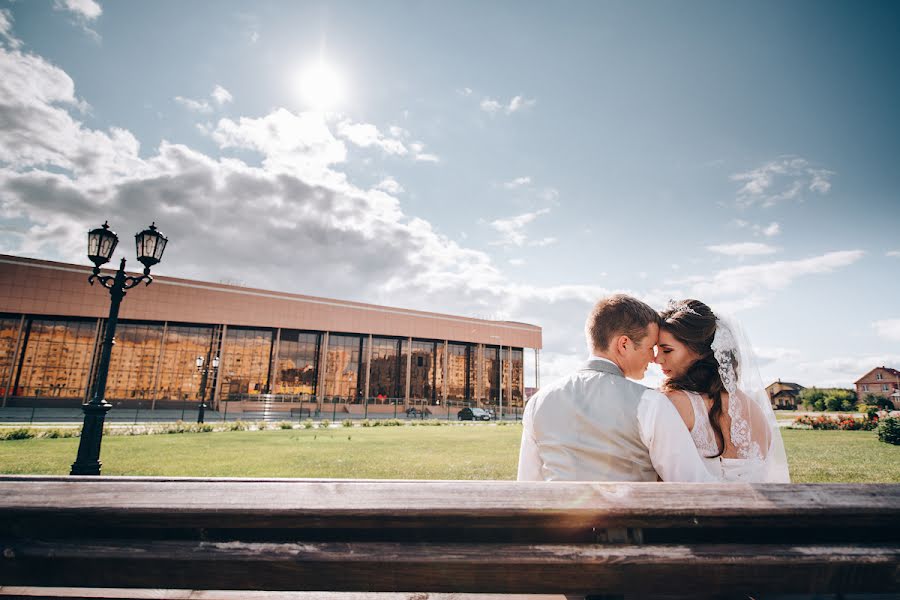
x=759, y=466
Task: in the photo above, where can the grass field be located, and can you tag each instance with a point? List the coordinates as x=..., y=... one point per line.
x=450, y=452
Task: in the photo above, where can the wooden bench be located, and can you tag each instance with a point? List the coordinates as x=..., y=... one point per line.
x=650, y=540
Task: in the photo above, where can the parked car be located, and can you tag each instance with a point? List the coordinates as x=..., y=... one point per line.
x=412, y=411
x=473, y=414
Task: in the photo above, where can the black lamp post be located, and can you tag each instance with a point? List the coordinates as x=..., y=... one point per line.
x=203, y=381
x=101, y=245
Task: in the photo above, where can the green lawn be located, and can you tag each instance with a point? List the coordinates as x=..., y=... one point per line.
x=449, y=452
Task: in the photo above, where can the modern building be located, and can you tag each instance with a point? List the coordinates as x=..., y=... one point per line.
x=178, y=341
x=881, y=381
x=784, y=394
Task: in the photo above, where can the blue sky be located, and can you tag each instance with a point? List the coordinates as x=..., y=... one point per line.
x=507, y=159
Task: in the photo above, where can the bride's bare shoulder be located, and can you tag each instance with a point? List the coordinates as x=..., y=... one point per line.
x=682, y=404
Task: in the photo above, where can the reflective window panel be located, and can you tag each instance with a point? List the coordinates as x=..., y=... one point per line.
x=422, y=373
x=298, y=354
x=342, y=370
x=384, y=373
x=491, y=377
x=518, y=377
x=133, y=361
x=9, y=334
x=178, y=376
x=460, y=371
x=244, y=368
x=57, y=358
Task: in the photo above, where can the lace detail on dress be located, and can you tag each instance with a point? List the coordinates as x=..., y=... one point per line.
x=702, y=432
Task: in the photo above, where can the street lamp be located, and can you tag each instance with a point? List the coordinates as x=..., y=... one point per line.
x=102, y=242
x=203, y=381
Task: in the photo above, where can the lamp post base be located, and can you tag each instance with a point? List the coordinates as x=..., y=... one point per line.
x=200, y=412
x=88, y=461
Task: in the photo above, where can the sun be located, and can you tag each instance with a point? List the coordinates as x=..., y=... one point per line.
x=321, y=87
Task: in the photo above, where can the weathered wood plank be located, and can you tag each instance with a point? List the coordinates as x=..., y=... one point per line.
x=699, y=569
x=39, y=593
x=167, y=502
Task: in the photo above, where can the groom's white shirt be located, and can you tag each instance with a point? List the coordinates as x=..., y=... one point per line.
x=567, y=434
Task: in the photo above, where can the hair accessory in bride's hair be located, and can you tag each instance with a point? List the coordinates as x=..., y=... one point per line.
x=681, y=307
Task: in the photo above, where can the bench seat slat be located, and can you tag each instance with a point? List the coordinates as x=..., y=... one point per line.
x=452, y=567
x=473, y=504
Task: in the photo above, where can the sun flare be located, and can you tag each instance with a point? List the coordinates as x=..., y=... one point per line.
x=321, y=86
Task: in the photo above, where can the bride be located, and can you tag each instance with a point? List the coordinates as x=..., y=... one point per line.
x=712, y=380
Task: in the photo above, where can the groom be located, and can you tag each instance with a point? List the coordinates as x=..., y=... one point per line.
x=596, y=425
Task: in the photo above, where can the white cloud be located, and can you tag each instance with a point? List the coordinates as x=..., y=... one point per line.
x=38, y=131
x=83, y=13
x=744, y=287
x=516, y=104
x=221, y=95
x=85, y=9
x=466, y=91
x=298, y=144
x=889, y=329
x=389, y=185
x=519, y=102
x=398, y=132
x=365, y=135
x=420, y=155
x=743, y=249
x=892, y=253
x=517, y=262
x=517, y=183
x=6, y=26
x=490, y=105
x=787, y=178
x=842, y=371
x=767, y=356
x=201, y=106
x=512, y=229
x=772, y=229
x=546, y=241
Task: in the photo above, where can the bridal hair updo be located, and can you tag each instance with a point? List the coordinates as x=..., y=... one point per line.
x=693, y=324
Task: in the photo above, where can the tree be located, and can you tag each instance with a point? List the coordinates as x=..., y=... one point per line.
x=810, y=397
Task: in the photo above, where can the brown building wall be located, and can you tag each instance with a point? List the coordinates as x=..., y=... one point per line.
x=59, y=289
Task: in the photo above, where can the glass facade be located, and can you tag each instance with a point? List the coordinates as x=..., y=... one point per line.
x=244, y=366
x=9, y=335
x=155, y=364
x=518, y=378
x=490, y=380
x=297, y=363
x=423, y=372
x=342, y=368
x=460, y=371
x=385, y=369
x=57, y=359
x=178, y=376
x=133, y=362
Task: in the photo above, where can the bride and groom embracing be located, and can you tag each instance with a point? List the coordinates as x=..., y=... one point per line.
x=710, y=421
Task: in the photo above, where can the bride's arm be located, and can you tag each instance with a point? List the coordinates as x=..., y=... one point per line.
x=683, y=405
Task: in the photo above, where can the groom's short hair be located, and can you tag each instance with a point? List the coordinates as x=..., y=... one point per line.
x=618, y=315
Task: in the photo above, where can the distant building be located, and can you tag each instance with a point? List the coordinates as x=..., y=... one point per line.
x=297, y=349
x=529, y=392
x=784, y=394
x=883, y=382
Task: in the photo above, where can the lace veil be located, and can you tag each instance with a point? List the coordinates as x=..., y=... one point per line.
x=754, y=430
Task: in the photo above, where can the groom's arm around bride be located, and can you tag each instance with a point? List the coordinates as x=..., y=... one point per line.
x=596, y=425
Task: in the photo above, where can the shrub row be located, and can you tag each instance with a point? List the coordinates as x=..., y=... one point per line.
x=841, y=422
